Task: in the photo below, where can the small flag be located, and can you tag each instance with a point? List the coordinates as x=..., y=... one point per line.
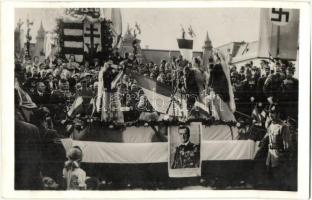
x=191, y=32
x=138, y=27
x=76, y=107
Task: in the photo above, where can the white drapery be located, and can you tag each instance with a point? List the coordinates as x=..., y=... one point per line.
x=157, y=152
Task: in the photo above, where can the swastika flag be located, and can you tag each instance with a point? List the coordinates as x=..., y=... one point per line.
x=279, y=30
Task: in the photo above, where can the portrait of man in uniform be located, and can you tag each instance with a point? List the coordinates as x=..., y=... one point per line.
x=187, y=154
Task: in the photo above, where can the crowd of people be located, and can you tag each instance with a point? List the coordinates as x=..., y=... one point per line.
x=45, y=92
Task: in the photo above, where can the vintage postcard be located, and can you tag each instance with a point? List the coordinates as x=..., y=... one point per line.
x=151, y=98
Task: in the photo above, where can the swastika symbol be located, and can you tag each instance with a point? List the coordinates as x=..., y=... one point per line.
x=278, y=15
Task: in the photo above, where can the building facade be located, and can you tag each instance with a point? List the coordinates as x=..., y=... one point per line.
x=39, y=47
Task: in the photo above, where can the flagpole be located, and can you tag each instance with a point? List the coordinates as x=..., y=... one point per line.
x=278, y=41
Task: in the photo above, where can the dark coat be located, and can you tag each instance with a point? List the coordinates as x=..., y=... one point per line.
x=41, y=99
x=27, y=156
x=273, y=86
x=53, y=153
x=218, y=82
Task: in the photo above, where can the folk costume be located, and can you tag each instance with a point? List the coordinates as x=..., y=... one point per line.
x=108, y=100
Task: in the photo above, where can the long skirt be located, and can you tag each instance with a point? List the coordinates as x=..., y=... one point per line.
x=111, y=107
x=221, y=110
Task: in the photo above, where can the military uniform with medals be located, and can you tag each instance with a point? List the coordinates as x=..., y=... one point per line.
x=186, y=156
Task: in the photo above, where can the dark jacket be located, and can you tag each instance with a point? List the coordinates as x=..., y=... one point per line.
x=40, y=99
x=218, y=82
x=27, y=156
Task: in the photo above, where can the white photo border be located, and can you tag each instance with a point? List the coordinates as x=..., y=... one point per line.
x=7, y=102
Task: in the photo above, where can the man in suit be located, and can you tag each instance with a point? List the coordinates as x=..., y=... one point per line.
x=40, y=96
x=290, y=94
x=59, y=101
x=260, y=83
x=272, y=86
x=52, y=150
x=187, y=154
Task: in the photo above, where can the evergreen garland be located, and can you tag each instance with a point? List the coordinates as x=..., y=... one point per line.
x=60, y=33
x=106, y=40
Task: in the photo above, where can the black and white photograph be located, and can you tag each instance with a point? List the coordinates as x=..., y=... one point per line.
x=184, y=144
x=124, y=98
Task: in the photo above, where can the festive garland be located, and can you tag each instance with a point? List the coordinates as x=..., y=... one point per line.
x=174, y=122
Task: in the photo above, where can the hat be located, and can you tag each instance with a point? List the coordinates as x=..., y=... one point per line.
x=75, y=153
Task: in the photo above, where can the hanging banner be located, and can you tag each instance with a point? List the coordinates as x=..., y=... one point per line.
x=73, y=39
x=279, y=31
x=184, y=150
x=92, y=37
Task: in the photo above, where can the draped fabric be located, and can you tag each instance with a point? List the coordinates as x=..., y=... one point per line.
x=132, y=153
x=275, y=38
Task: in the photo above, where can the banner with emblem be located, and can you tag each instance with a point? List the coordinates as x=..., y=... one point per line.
x=88, y=33
x=92, y=37
x=184, y=150
x=279, y=31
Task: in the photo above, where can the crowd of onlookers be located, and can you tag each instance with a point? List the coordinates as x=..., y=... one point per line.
x=54, y=85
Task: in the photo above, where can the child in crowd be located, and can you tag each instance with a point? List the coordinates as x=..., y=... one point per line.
x=75, y=177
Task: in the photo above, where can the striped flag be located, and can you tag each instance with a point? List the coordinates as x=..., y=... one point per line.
x=73, y=40
x=76, y=107
x=160, y=96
